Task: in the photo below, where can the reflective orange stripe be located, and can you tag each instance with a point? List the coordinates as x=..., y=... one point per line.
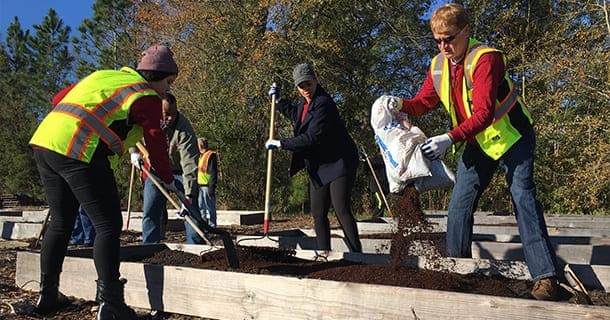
x=93, y=121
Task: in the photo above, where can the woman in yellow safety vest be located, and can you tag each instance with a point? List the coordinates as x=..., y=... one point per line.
x=76, y=148
x=491, y=120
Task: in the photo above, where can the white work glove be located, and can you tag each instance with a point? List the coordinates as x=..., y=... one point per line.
x=136, y=160
x=434, y=147
x=272, y=144
x=392, y=103
x=170, y=186
x=183, y=211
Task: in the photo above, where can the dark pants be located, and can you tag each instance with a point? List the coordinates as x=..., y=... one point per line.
x=68, y=183
x=338, y=193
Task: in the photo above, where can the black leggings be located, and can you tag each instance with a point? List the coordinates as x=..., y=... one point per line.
x=68, y=183
x=337, y=192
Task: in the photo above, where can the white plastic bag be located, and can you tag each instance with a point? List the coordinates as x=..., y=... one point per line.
x=441, y=177
x=399, y=143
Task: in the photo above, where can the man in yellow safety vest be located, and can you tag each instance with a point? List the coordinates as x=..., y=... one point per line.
x=207, y=178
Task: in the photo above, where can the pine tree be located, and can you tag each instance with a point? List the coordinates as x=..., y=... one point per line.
x=106, y=41
x=17, y=168
x=50, y=59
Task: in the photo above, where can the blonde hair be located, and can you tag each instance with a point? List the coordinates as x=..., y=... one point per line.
x=450, y=17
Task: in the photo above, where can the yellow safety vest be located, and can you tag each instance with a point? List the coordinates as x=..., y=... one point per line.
x=77, y=124
x=496, y=139
x=203, y=177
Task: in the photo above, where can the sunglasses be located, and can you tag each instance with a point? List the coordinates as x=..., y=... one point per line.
x=448, y=39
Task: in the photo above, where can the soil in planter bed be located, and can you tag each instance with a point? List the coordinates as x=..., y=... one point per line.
x=264, y=260
x=411, y=225
x=275, y=261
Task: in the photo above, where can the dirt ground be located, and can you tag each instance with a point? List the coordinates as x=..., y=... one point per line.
x=411, y=225
x=15, y=300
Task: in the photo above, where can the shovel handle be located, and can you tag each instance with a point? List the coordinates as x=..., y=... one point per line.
x=188, y=219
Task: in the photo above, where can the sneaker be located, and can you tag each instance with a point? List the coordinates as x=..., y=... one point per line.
x=546, y=289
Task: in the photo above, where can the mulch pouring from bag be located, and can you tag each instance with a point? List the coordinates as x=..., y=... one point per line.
x=411, y=225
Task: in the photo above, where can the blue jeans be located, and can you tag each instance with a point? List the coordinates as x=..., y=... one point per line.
x=83, y=232
x=155, y=206
x=207, y=205
x=474, y=173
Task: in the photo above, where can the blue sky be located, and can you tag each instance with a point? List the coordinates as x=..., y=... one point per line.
x=31, y=12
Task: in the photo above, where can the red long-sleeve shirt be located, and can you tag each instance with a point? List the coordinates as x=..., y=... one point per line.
x=147, y=113
x=487, y=76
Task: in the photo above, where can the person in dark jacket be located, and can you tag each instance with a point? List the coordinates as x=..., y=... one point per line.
x=321, y=145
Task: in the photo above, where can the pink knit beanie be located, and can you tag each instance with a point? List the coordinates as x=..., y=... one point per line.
x=158, y=58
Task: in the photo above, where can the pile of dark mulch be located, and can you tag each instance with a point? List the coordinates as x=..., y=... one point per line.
x=265, y=260
x=276, y=261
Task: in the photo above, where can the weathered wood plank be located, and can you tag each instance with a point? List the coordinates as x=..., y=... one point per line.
x=553, y=220
x=372, y=228
x=566, y=253
x=232, y=295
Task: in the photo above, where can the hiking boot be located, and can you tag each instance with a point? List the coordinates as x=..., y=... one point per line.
x=50, y=299
x=546, y=289
x=111, y=295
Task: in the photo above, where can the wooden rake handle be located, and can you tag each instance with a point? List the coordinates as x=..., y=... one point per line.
x=269, y=167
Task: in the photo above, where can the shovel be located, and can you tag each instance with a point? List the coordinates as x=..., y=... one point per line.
x=185, y=210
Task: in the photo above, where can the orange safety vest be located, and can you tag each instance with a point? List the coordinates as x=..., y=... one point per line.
x=203, y=176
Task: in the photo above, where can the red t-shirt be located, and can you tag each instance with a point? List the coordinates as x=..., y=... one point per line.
x=305, y=107
x=487, y=76
x=147, y=113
